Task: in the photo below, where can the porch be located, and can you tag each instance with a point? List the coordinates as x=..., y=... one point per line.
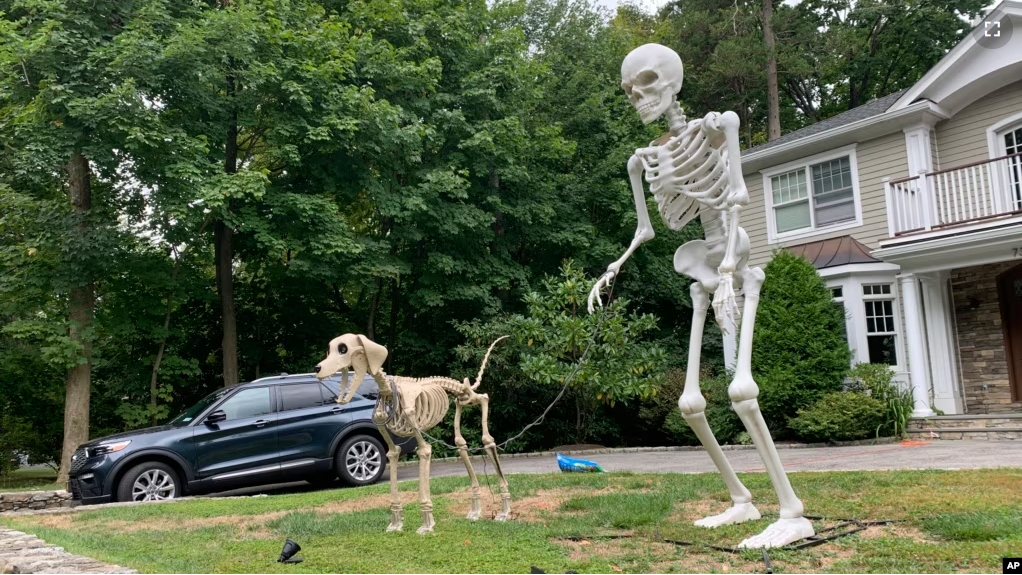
x=971, y=197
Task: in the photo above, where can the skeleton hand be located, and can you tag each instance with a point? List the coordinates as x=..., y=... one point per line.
x=604, y=281
x=725, y=307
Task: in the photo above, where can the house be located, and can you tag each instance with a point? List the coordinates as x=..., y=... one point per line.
x=910, y=207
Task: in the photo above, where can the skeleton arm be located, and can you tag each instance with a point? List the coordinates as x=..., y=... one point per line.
x=724, y=305
x=643, y=232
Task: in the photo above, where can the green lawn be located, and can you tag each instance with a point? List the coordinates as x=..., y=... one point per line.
x=953, y=521
x=30, y=480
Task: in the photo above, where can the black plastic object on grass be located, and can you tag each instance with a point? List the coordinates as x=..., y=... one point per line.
x=287, y=553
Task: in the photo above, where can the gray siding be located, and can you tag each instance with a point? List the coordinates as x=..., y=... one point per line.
x=877, y=159
x=963, y=138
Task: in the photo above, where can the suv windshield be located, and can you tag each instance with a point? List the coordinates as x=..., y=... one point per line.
x=193, y=411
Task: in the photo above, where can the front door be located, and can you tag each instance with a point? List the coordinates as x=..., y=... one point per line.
x=243, y=447
x=1009, y=285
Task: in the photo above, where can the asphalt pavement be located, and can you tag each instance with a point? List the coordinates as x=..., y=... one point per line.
x=960, y=454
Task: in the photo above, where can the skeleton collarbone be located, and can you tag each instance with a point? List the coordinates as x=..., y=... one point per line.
x=686, y=171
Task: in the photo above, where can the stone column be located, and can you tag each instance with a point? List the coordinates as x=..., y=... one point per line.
x=915, y=342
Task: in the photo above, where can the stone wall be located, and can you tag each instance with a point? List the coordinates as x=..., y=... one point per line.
x=981, y=339
x=35, y=500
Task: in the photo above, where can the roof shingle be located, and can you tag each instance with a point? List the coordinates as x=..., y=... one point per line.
x=867, y=110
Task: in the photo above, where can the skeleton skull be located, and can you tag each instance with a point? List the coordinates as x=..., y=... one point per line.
x=651, y=75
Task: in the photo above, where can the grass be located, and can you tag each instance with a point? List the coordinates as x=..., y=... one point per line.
x=950, y=521
x=30, y=480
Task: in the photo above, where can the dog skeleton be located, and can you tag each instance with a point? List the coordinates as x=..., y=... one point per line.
x=408, y=407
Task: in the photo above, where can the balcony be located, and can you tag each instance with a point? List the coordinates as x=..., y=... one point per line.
x=976, y=195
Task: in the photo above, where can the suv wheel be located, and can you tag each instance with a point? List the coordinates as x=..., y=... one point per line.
x=361, y=460
x=149, y=481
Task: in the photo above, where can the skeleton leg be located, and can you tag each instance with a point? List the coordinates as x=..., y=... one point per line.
x=393, y=453
x=425, y=499
x=491, y=448
x=462, y=445
x=692, y=403
x=792, y=526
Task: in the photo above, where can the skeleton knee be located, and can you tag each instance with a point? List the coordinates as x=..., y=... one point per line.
x=691, y=403
x=743, y=388
x=424, y=451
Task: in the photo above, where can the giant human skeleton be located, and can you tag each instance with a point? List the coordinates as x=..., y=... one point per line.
x=695, y=170
x=408, y=407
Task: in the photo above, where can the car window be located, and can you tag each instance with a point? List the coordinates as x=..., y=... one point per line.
x=328, y=394
x=368, y=389
x=250, y=402
x=301, y=395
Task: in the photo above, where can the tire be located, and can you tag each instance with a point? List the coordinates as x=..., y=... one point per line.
x=149, y=481
x=361, y=460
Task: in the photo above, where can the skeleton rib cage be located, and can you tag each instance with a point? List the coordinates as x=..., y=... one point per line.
x=686, y=173
x=431, y=404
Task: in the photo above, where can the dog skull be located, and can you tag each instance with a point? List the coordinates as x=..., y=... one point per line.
x=651, y=75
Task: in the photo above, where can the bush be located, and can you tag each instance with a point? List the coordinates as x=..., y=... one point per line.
x=877, y=380
x=840, y=416
x=663, y=410
x=799, y=349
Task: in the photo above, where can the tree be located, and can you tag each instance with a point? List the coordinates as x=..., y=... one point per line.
x=60, y=123
x=799, y=351
x=773, y=97
x=604, y=358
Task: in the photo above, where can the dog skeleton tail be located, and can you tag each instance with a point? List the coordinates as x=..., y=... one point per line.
x=482, y=368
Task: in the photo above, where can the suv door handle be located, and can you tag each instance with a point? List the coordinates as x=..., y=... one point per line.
x=337, y=409
x=260, y=423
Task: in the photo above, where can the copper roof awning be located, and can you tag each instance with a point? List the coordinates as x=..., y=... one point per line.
x=834, y=252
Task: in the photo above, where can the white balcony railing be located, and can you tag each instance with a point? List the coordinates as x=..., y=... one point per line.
x=964, y=194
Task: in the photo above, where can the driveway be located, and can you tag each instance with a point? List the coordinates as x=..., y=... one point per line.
x=911, y=455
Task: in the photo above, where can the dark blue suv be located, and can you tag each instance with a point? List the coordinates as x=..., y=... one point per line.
x=272, y=430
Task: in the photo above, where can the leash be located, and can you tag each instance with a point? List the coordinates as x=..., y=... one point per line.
x=567, y=381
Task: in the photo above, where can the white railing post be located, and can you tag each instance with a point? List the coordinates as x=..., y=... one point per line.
x=889, y=197
x=926, y=196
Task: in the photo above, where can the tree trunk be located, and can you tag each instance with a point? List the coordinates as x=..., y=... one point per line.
x=224, y=254
x=373, y=306
x=82, y=305
x=395, y=304
x=773, y=96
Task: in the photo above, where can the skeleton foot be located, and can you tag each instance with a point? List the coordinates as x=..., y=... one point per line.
x=474, y=512
x=505, y=511
x=396, y=520
x=737, y=513
x=427, y=523
x=780, y=533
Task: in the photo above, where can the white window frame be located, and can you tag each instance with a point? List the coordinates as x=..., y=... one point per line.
x=995, y=134
x=773, y=236
x=850, y=278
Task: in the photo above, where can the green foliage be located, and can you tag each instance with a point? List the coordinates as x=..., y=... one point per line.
x=877, y=380
x=840, y=416
x=799, y=351
x=662, y=412
x=552, y=342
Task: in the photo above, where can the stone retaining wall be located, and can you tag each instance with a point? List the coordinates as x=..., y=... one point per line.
x=32, y=500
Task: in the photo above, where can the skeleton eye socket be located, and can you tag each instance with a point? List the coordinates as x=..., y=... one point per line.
x=342, y=349
x=646, y=78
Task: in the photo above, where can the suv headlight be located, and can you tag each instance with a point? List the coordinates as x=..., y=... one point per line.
x=104, y=448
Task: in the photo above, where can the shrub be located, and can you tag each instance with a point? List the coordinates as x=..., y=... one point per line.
x=664, y=410
x=799, y=348
x=877, y=380
x=839, y=416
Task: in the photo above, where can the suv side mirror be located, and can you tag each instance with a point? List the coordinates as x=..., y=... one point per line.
x=216, y=416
